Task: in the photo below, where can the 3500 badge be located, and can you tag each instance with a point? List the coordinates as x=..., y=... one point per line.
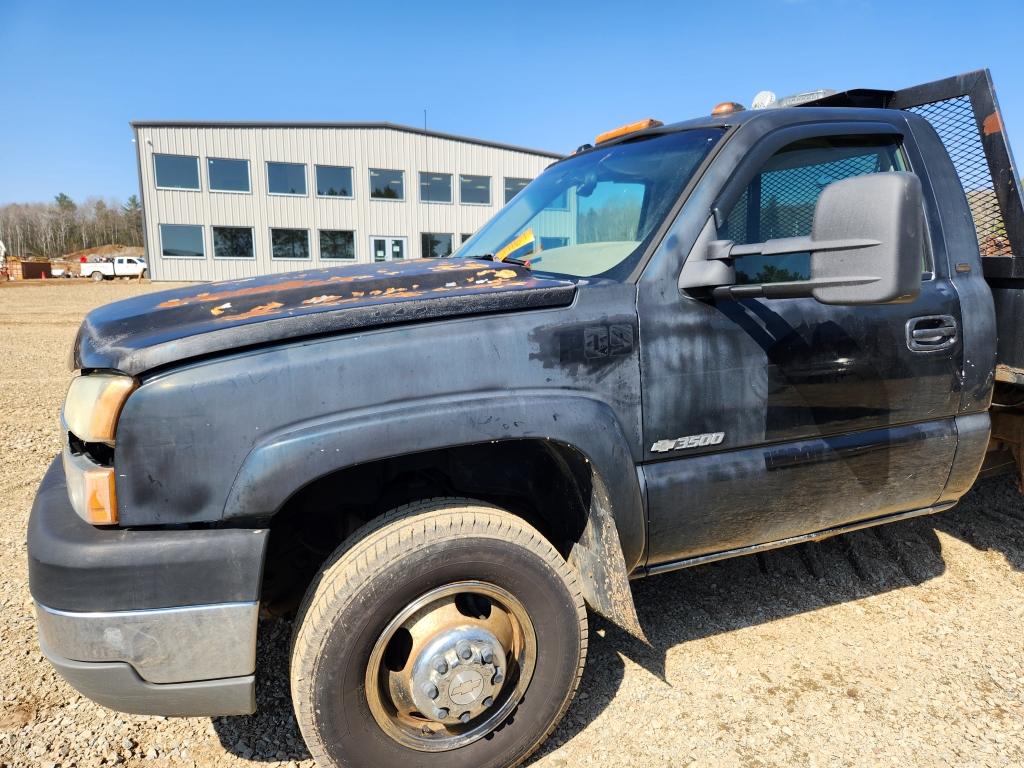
x=690, y=441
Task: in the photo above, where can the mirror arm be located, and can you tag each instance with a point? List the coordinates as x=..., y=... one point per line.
x=784, y=246
x=795, y=289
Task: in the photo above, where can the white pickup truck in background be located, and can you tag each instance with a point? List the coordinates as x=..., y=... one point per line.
x=120, y=266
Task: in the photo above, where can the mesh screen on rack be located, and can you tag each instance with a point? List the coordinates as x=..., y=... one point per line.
x=953, y=120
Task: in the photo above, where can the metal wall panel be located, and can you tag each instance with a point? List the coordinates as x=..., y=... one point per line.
x=360, y=148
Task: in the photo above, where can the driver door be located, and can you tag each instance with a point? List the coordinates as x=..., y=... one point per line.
x=818, y=415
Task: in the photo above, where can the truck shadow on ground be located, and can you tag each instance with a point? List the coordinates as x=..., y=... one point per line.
x=696, y=603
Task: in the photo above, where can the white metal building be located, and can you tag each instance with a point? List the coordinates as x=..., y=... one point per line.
x=229, y=200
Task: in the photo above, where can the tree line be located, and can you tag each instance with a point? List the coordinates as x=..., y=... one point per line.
x=64, y=226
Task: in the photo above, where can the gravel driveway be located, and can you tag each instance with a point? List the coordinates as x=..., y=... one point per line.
x=899, y=646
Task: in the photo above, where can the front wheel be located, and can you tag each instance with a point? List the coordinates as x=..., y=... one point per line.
x=449, y=633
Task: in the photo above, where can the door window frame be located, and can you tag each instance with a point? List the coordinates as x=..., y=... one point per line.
x=770, y=144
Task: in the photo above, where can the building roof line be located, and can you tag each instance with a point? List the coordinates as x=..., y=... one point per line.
x=315, y=124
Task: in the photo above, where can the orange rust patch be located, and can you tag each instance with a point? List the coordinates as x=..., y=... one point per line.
x=262, y=309
x=992, y=124
x=238, y=292
x=321, y=299
x=348, y=278
x=505, y=273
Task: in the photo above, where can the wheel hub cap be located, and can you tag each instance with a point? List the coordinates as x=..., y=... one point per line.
x=473, y=663
x=451, y=667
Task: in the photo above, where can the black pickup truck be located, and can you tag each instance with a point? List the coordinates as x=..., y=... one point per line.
x=684, y=343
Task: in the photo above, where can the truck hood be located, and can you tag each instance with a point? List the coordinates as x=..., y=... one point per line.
x=156, y=329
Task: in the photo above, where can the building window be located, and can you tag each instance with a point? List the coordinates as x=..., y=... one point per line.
x=286, y=178
x=289, y=243
x=435, y=187
x=464, y=237
x=182, y=241
x=227, y=175
x=233, y=243
x=436, y=245
x=386, y=185
x=337, y=244
x=513, y=186
x=475, y=189
x=176, y=171
x=333, y=181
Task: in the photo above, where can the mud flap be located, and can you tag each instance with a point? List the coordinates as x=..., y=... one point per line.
x=597, y=559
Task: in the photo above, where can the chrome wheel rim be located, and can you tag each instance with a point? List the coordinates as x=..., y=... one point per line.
x=451, y=667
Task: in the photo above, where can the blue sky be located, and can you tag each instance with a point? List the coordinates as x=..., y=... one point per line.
x=541, y=74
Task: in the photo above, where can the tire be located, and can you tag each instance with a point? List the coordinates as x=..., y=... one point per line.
x=143, y=274
x=398, y=562
x=97, y=277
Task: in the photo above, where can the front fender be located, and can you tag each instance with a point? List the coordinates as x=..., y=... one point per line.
x=283, y=462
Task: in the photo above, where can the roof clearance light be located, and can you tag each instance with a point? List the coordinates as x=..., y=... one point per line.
x=639, y=125
x=726, y=108
x=768, y=100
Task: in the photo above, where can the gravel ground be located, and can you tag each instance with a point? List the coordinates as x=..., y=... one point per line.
x=899, y=646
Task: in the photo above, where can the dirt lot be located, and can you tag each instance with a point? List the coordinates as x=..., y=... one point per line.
x=900, y=646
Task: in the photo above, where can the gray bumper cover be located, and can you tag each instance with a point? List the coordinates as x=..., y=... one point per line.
x=193, y=660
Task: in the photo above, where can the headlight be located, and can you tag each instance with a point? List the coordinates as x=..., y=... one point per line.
x=93, y=404
x=91, y=410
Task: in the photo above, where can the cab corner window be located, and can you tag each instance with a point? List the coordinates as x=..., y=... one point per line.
x=779, y=201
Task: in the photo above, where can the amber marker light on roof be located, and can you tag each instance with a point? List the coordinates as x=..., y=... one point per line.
x=623, y=130
x=726, y=108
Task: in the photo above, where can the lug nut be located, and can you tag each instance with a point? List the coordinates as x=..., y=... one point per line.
x=486, y=655
x=464, y=717
x=430, y=689
x=440, y=665
x=498, y=677
x=440, y=713
x=488, y=701
x=465, y=651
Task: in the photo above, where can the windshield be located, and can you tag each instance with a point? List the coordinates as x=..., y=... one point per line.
x=593, y=214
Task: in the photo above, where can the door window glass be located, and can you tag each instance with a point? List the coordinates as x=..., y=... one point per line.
x=780, y=200
x=387, y=248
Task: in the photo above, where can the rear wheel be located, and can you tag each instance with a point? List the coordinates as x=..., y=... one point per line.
x=97, y=277
x=450, y=633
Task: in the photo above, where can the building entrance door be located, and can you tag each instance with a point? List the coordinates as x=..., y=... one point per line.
x=387, y=248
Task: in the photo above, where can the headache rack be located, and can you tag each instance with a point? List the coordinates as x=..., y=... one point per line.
x=964, y=112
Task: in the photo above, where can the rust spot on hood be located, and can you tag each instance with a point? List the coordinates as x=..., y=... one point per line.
x=262, y=309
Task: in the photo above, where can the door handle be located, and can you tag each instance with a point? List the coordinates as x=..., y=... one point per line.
x=931, y=333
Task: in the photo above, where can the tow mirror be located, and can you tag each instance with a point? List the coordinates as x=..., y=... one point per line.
x=866, y=247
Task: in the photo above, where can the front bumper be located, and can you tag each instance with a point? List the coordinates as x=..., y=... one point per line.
x=146, y=621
